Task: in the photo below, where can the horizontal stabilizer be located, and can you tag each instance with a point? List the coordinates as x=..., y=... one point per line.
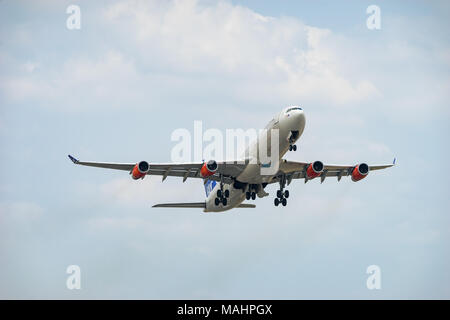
x=181, y=205
x=195, y=205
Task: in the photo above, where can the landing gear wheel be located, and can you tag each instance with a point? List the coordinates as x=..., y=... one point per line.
x=284, y=202
x=253, y=195
x=294, y=147
x=276, y=202
x=217, y=201
x=227, y=193
x=224, y=201
x=286, y=194
x=290, y=147
x=247, y=195
x=279, y=194
x=219, y=193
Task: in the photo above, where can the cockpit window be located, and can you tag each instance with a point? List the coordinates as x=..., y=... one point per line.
x=293, y=108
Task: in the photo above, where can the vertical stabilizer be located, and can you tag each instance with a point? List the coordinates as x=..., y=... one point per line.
x=209, y=186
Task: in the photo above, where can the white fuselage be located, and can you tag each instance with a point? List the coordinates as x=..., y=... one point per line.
x=290, y=120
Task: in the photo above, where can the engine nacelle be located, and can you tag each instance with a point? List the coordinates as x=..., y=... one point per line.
x=315, y=169
x=140, y=170
x=208, y=168
x=360, y=172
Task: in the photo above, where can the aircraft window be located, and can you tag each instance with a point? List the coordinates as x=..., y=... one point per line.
x=293, y=108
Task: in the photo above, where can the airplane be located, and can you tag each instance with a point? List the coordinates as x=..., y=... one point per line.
x=228, y=183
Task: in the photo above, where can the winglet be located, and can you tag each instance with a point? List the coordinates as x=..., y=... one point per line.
x=73, y=159
x=393, y=162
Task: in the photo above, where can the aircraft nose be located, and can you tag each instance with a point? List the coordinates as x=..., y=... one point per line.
x=297, y=119
x=299, y=114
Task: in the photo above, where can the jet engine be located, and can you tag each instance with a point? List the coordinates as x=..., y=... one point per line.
x=360, y=172
x=208, y=168
x=140, y=170
x=315, y=169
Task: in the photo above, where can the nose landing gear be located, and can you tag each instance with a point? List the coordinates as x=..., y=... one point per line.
x=292, y=138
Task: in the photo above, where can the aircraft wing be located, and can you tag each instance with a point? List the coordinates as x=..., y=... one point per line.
x=297, y=170
x=228, y=169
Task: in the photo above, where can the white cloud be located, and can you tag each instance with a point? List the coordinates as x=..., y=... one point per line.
x=21, y=211
x=30, y=66
x=188, y=47
x=78, y=83
x=284, y=54
x=144, y=193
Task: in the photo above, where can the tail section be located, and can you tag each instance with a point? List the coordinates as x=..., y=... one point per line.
x=209, y=187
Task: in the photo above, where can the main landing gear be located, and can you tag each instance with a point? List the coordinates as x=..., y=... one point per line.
x=222, y=195
x=281, y=195
x=292, y=147
x=250, y=194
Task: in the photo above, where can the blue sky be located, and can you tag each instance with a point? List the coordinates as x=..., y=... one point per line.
x=117, y=88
